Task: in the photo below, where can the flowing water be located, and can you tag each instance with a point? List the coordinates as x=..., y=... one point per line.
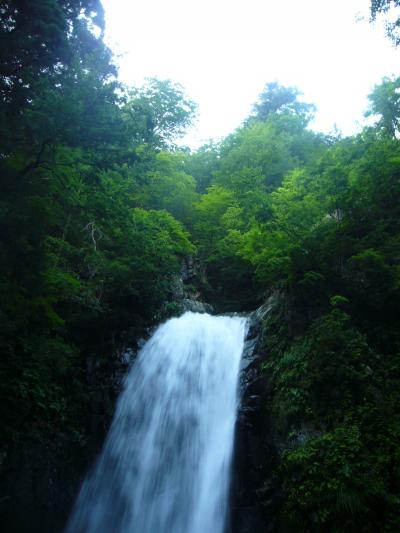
x=165, y=466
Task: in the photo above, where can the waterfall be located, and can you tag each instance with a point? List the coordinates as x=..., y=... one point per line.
x=165, y=466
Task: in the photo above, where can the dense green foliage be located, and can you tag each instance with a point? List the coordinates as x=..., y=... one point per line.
x=88, y=249
x=325, y=234
x=99, y=207
x=316, y=218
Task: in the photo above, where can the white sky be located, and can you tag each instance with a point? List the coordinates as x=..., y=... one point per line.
x=223, y=52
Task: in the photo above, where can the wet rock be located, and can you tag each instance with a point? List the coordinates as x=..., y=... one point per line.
x=254, y=494
x=195, y=306
x=189, y=269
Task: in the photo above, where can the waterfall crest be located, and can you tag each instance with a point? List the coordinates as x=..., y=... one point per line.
x=165, y=465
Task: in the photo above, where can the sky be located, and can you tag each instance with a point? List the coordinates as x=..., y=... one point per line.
x=223, y=52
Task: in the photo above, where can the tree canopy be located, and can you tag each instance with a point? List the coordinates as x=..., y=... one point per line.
x=387, y=7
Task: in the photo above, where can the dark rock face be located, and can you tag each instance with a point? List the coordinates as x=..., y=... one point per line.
x=39, y=482
x=195, y=306
x=254, y=494
x=41, y=475
x=186, y=289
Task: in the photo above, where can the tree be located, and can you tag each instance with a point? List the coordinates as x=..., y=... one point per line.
x=162, y=109
x=218, y=225
x=40, y=40
x=268, y=149
x=202, y=165
x=167, y=186
x=385, y=103
x=387, y=7
x=276, y=99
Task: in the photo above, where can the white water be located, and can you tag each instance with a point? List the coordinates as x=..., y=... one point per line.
x=165, y=466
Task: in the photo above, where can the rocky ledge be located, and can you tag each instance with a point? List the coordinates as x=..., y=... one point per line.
x=254, y=494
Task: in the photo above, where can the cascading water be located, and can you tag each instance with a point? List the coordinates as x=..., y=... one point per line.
x=165, y=466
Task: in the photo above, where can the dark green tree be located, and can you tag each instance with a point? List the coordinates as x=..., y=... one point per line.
x=277, y=99
x=385, y=103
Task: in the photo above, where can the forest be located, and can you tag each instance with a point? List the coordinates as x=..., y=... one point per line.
x=100, y=207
